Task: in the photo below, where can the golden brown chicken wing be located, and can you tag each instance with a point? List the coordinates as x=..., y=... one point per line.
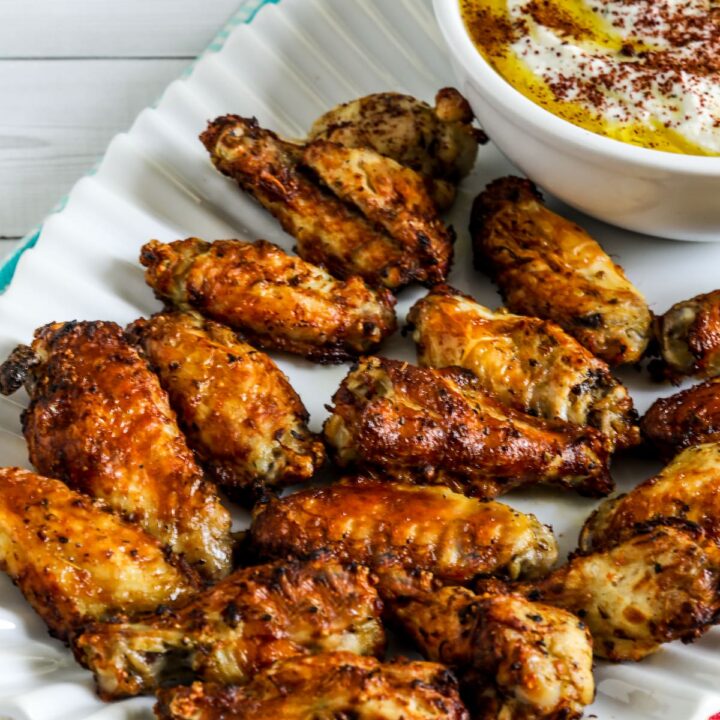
x=690, y=417
x=549, y=267
x=405, y=528
x=276, y=300
x=438, y=142
x=329, y=231
x=439, y=426
x=390, y=196
x=238, y=410
x=242, y=625
x=331, y=685
x=516, y=659
x=653, y=588
x=528, y=363
x=74, y=561
x=688, y=490
x=689, y=338
x=99, y=420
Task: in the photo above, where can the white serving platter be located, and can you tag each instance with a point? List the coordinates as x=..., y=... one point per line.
x=295, y=60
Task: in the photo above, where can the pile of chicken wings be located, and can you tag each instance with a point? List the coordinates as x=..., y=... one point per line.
x=122, y=542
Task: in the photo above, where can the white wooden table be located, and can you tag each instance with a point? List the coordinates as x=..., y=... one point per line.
x=72, y=74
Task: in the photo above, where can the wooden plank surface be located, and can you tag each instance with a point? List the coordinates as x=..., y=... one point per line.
x=73, y=73
x=56, y=121
x=107, y=28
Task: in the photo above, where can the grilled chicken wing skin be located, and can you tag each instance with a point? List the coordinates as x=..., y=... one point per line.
x=440, y=427
x=74, y=561
x=438, y=142
x=242, y=625
x=656, y=587
x=275, y=300
x=551, y=268
x=390, y=195
x=517, y=660
x=331, y=685
x=689, y=338
x=687, y=490
x=690, y=417
x=99, y=420
x=528, y=363
x=430, y=528
x=329, y=231
x=236, y=407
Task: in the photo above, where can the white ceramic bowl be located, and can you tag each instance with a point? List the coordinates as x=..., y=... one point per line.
x=665, y=194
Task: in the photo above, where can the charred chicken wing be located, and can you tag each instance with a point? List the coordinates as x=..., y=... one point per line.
x=549, y=267
x=653, y=588
x=74, y=561
x=528, y=363
x=440, y=427
x=688, y=490
x=690, y=417
x=99, y=420
x=237, y=628
x=389, y=195
x=438, y=142
x=328, y=230
x=331, y=685
x=517, y=660
x=689, y=338
x=238, y=410
x=276, y=300
x=408, y=527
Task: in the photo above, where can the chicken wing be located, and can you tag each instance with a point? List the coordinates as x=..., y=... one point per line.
x=656, y=587
x=438, y=142
x=439, y=426
x=99, y=420
x=689, y=338
x=329, y=231
x=690, y=417
x=391, y=196
x=276, y=300
x=516, y=659
x=238, y=410
x=687, y=490
x=74, y=561
x=331, y=685
x=549, y=267
x=383, y=524
x=528, y=363
x=242, y=625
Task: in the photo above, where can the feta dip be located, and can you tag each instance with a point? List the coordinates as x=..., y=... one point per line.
x=645, y=72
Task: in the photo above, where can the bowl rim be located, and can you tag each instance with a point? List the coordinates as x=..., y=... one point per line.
x=498, y=91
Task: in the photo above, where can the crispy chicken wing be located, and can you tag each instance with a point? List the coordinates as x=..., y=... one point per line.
x=689, y=338
x=690, y=417
x=328, y=230
x=408, y=527
x=390, y=195
x=99, y=420
x=242, y=625
x=238, y=410
x=528, y=363
x=550, y=267
x=74, y=561
x=653, y=588
x=276, y=300
x=517, y=660
x=438, y=142
x=688, y=490
x=439, y=426
x=331, y=685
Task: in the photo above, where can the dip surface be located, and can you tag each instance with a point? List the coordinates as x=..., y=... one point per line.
x=646, y=72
